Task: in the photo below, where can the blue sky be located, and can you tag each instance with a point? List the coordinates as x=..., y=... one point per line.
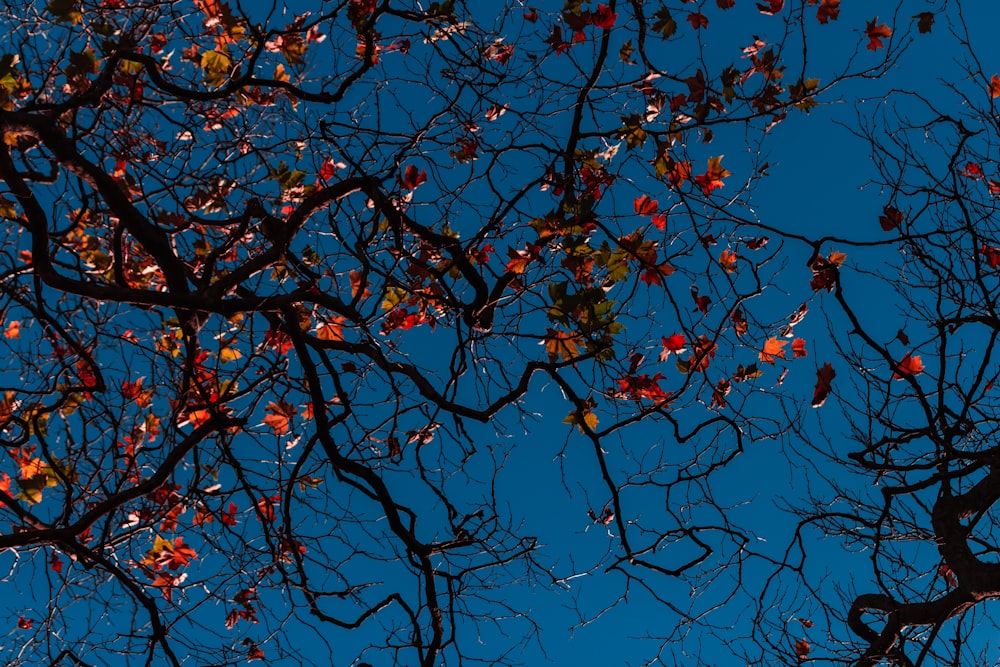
x=576, y=601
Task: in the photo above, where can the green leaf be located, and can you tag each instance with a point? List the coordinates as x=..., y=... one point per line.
x=632, y=132
x=665, y=23
x=802, y=92
x=216, y=65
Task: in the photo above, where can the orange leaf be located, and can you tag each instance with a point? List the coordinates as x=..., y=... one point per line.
x=133, y=392
x=266, y=508
x=678, y=172
x=280, y=417
x=908, y=365
x=728, y=261
x=331, y=330
x=798, y=348
x=995, y=86
x=773, y=349
x=13, y=330
x=519, y=259
x=802, y=649
x=562, y=344
x=703, y=352
x=712, y=178
x=645, y=206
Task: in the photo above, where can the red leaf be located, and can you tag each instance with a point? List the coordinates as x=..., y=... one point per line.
x=327, y=169
x=908, y=365
x=645, y=206
x=603, y=17
x=659, y=221
x=679, y=172
x=945, y=572
x=703, y=352
x=826, y=272
x=719, y=393
x=412, y=179
x=992, y=255
x=401, y=318
x=828, y=10
x=698, y=20
x=228, y=517
x=673, y=344
x=890, y=219
x=266, y=508
x=802, y=649
x=643, y=386
x=555, y=40
x=696, y=87
x=824, y=380
x=278, y=340
x=24, y=623
x=771, y=8
x=973, y=171
x=725, y=4
x=700, y=302
x=799, y=348
x=654, y=274
x=995, y=87
x=876, y=32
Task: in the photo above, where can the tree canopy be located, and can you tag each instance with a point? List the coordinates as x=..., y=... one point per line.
x=384, y=332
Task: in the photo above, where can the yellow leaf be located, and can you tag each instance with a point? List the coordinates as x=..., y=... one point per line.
x=215, y=61
x=589, y=418
x=280, y=417
x=229, y=354
x=562, y=344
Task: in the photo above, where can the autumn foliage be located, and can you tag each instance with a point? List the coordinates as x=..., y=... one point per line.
x=308, y=313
